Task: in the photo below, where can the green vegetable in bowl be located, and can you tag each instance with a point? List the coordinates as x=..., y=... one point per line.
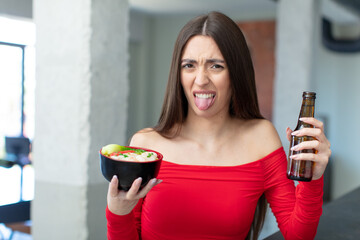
x=111, y=148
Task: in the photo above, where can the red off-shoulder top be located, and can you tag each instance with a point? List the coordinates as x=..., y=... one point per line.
x=218, y=202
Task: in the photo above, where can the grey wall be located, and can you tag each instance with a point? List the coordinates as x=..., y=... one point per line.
x=337, y=85
x=19, y=8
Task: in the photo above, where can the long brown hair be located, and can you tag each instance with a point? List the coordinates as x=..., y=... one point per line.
x=244, y=102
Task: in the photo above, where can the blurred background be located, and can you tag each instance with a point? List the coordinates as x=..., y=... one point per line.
x=77, y=75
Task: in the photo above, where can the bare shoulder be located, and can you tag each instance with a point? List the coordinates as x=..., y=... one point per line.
x=145, y=138
x=151, y=139
x=268, y=136
x=264, y=136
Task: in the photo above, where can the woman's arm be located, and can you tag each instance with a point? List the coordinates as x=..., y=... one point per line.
x=298, y=210
x=123, y=210
x=124, y=226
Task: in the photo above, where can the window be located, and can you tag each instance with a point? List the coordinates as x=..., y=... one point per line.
x=17, y=101
x=11, y=89
x=17, y=79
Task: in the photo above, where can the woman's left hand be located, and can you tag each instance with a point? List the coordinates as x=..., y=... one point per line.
x=320, y=144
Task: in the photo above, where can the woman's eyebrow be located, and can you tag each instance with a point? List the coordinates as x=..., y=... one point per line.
x=215, y=60
x=187, y=60
x=211, y=60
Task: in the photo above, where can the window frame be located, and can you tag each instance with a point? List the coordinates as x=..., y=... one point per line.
x=22, y=47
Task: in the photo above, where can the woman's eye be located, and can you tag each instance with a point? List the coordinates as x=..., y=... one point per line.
x=187, y=65
x=217, y=66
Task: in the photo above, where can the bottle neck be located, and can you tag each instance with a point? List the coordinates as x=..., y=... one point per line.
x=307, y=110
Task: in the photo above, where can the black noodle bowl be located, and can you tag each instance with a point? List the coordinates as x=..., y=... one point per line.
x=128, y=171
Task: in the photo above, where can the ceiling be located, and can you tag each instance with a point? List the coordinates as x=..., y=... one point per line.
x=199, y=6
x=335, y=10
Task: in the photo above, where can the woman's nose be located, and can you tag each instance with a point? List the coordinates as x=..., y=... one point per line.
x=202, y=77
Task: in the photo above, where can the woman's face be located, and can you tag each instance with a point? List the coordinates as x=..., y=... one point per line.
x=205, y=77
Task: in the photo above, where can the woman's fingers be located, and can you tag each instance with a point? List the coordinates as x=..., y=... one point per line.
x=148, y=187
x=136, y=193
x=320, y=143
x=288, y=133
x=320, y=162
x=313, y=121
x=121, y=202
x=313, y=132
x=314, y=144
x=317, y=131
x=133, y=191
x=304, y=156
x=113, y=187
x=310, y=157
x=307, y=132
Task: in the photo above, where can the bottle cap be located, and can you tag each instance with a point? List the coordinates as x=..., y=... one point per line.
x=309, y=94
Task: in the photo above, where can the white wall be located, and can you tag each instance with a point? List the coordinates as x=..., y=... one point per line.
x=81, y=105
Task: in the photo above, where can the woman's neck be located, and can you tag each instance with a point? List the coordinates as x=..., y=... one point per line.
x=207, y=129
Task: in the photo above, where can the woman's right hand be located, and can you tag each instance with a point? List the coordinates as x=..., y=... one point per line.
x=120, y=202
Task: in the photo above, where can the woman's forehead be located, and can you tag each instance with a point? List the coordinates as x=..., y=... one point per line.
x=201, y=46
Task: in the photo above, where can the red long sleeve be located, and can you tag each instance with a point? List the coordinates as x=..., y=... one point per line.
x=125, y=226
x=218, y=202
x=297, y=211
x=121, y=227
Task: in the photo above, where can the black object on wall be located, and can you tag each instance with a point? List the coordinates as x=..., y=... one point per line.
x=337, y=45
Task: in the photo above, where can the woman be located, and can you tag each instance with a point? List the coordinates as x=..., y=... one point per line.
x=221, y=157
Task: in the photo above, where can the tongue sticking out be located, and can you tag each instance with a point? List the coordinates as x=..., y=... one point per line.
x=203, y=103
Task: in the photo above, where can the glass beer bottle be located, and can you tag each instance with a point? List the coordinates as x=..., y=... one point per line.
x=301, y=170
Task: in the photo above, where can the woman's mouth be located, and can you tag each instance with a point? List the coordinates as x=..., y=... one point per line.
x=204, y=100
